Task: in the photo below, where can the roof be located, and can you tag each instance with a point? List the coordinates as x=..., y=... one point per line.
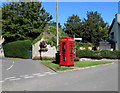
x=114, y=22
x=111, y=25
x=105, y=41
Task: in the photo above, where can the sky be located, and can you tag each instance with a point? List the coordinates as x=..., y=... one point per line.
x=65, y=0
x=67, y=9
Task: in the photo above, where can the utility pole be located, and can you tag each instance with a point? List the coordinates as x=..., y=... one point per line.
x=57, y=23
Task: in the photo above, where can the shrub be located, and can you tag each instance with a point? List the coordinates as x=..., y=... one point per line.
x=97, y=55
x=76, y=59
x=85, y=53
x=18, y=49
x=84, y=45
x=43, y=49
x=115, y=54
x=105, y=53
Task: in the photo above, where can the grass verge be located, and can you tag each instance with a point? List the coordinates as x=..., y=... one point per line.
x=57, y=67
x=89, y=63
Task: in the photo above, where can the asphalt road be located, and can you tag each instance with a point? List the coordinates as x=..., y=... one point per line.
x=28, y=75
x=21, y=67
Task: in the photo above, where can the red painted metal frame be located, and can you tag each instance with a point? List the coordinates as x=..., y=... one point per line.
x=66, y=51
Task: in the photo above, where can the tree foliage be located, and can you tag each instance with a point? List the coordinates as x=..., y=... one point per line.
x=54, y=24
x=93, y=29
x=72, y=27
x=49, y=35
x=23, y=20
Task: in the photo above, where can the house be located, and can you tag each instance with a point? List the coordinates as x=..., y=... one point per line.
x=104, y=45
x=114, y=32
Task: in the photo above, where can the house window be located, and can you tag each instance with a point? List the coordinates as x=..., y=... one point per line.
x=112, y=35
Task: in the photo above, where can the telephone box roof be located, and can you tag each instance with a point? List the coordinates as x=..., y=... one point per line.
x=67, y=38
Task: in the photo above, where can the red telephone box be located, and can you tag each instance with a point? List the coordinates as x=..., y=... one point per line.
x=67, y=51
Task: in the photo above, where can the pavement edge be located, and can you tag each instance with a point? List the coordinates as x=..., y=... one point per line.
x=48, y=67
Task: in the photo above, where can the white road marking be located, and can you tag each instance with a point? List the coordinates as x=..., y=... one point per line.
x=15, y=79
x=37, y=74
x=52, y=73
x=29, y=77
x=9, y=78
x=41, y=75
x=10, y=66
x=25, y=76
x=1, y=81
x=47, y=72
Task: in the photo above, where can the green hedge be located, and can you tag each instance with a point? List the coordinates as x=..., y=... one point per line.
x=84, y=45
x=18, y=49
x=98, y=54
x=85, y=53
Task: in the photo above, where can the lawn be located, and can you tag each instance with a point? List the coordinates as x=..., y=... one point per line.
x=89, y=63
x=57, y=67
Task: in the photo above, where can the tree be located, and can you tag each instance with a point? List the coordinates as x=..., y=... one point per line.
x=73, y=25
x=23, y=20
x=94, y=28
x=54, y=24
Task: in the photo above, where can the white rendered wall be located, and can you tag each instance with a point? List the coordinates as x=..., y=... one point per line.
x=50, y=53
